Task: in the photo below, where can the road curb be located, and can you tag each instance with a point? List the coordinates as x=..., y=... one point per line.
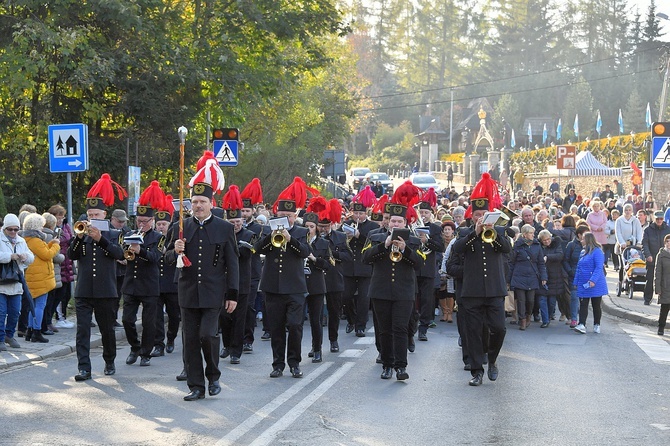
x=612, y=307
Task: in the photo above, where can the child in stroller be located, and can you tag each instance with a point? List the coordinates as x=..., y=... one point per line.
x=635, y=271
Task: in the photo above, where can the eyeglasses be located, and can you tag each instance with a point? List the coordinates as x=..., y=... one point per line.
x=12, y=229
x=143, y=222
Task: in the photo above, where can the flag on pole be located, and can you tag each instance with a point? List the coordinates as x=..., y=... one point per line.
x=620, y=122
x=647, y=117
x=559, y=129
x=530, y=134
x=544, y=134
x=576, y=126
x=599, y=124
x=512, y=141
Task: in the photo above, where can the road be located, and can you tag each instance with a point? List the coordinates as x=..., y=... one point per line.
x=555, y=387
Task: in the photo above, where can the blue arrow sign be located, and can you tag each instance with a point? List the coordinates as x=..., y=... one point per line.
x=68, y=148
x=660, y=153
x=225, y=151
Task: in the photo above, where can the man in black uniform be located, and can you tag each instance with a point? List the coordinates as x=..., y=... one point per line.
x=96, y=253
x=393, y=288
x=381, y=213
x=283, y=282
x=334, y=279
x=141, y=286
x=119, y=221
x=356, y=273
x=484, y=290
x=210, y=282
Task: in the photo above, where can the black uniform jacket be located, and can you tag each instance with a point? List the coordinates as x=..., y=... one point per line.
x=256, y=262
x=246, y=255
x=96, y=263
x=316, y=282
x=342, y=254
x=392, y=280
x=284, y=271
x=166, y=270
x=142, y=273
x=435, y=244
x=358, y=268
x=214, y=272
x=484, y=263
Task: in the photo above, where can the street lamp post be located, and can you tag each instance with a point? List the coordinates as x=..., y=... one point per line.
x=666, y=77
x=451, y=119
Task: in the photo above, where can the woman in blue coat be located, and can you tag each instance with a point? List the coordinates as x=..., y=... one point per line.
x=570, y=260
x=527, y=273
x=590, y=282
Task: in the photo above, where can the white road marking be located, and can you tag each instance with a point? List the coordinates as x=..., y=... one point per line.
x=270, y=407
x=271, y=433
x=662, y=427
x=365, y=340
x=656, y=348
x=352, y=353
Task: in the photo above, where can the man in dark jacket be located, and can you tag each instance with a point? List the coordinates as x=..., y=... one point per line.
x=652, y=242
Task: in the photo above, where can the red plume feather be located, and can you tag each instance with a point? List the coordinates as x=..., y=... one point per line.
x=366, y=197
x=167, y=205
x=209, y=172
x=206, y=155
x=378, y=208
x=333, y=212
x=487, y=188
x=407, y=194
x=430, y=197
x=104, y=189
x=153, y=196
x=298, y=192
x=253, y=191
x=317, y=205
x=232, y=199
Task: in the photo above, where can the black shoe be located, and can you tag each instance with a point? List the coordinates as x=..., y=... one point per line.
x=647, y=303
x=247, y=348
x=195, y=395
x=234, y=360
x=401, y=374
x=317, y=357
x=411, y=346
x=20, y=334
x=544, y=325
x=460, y=342
x=387, y=373
x=467, y=367
x=486, y=359
x=224, y=353
x=116, y=325
x=110, y=369
x=360, y=333
x=93, y=324
x=493, y=371
x=310, y=354
x=423, y=336
x=83, y=375
x=536, y=318
x=350, y=328
x=476, y=380
x=379, y=359
x=276, y=373
x=145, y=361
x=296, y=372
x=132, y=358
x=182, y=376
x=334, y=347
x=47, y=332
x=266, y=336
x=661, y=332
x=157, y=351
x=214, y=388
x=38, y=337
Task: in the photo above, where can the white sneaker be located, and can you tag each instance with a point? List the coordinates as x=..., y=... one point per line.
x=581, y=328
x=596, y=328
x=259, y=316
x=64, y=323
x=437, y=312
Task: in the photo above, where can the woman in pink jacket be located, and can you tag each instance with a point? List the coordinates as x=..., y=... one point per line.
x=597, y=221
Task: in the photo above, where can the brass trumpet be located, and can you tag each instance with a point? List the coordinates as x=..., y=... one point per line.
x=277, y=239
x=395, y=255
x=81, y=227
x=490, y=234
x=127, y=253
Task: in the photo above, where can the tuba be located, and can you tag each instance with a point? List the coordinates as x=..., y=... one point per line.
x=81, y=227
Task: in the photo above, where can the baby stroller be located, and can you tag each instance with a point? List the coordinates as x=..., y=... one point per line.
x=635, y=271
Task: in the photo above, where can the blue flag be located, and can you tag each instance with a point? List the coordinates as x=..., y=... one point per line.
x=599, y=124
x=512, y=141
x=544, y=134
x=559, y=129
x=576, y=126
x=620, y=122
x=530, y=133
x=647, y=117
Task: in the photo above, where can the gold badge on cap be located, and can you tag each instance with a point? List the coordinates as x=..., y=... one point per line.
x=141, y=210
x=288, y=205
x=480, y=203
x=198, y=189
x=161, y=214
x=397, y=210
x=93, y=201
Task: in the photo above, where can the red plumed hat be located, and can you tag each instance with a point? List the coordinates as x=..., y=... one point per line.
x=378, y=208
x=317, y=205
x=297, y=192
x=153, y=196
x=430, y=197
x=104, y=189
x=209, y=172
x=253, y=192
x=486, y=188
x=407, y=194
x=365, y=197
x=333, y=211
x=232, y=199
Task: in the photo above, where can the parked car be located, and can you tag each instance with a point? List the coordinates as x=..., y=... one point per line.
x=425, y=181
x=373, y=177
x=357, y=175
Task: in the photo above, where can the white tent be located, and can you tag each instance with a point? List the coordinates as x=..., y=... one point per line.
x=588, y=165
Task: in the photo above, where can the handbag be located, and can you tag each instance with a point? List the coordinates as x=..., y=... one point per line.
x=9, y=272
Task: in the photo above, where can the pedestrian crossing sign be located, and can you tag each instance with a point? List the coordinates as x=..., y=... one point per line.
x=226, y=152
x=660, y=153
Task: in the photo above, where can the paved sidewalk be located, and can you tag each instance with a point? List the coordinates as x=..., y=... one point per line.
x=634, y=309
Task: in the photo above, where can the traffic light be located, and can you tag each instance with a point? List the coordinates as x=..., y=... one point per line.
x=660, y=129
x=225, y=133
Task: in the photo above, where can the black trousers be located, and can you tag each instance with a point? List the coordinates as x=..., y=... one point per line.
x=393, y=318
x=357, y=306
x=131, y=304
x=170, y=302
x=199, y=330
x=284, y=311
x=663, y=315
x=426, y=301
x=584, y=309
x=334, y=307
x=479, y=311
x=315, y=307
x=649, y=284
x=104, y=314
x=232, y=326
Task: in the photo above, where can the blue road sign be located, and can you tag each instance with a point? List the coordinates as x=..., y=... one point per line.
x=68, y=148
x=660, y=153
x=225, y=151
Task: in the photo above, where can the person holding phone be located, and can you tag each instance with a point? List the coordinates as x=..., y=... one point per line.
x=590, y=282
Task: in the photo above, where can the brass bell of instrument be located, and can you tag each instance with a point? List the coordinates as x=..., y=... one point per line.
x=128, y=254
x=277, y=239
x=489, y=235
x=81, y=227
x=395, y=255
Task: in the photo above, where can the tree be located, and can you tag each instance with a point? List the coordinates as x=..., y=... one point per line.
x=578, y=102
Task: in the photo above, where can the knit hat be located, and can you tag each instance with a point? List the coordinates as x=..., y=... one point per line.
x=10, y=220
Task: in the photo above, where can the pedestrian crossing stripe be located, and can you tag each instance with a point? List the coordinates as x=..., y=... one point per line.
x=661, y=152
